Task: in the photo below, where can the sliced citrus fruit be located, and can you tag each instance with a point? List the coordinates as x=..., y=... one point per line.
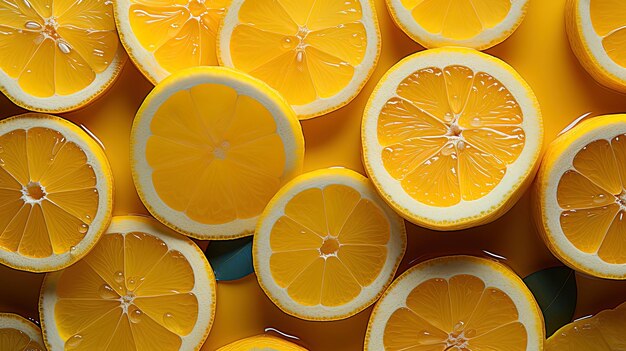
x=580, y=203
x=326, y=246
x=603, y=332
x=19, y=334
x=597, y=30
x=163, y=37
x=143, y=287
x=451, y=137
x=57, y=56
x=318, y=54
x=262, y=342
x=456, y=303
x=56, y=192
x=210, y=146
x=478, y=24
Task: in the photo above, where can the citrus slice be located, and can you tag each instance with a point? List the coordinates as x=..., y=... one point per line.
x=317, y=54
x=478, y=24
x=19, y=334
x=143, y=287
x=57, y=56
x=56, y=192
x=581, y=197
x=327, y=246
x=456, y=303
x=163, y=37
x=262, y=343
x=597, y=30
x=210, y=146
x=451, y=137
x=603, y=332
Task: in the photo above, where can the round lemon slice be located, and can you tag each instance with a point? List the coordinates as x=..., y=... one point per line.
x=597, y=30
x=19, y=334
x=56, y=192
x=478, y=24
x=163, y=37
x=452, y=137
x=581, y=197
x=210, y=146
x=143, y=287
x=262, y=342
x=57, y=56
x=326, y=246
x=456, y=303
x=318, y=54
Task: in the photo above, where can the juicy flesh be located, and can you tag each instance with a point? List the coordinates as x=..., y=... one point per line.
x=178, y=33
x=215, y=155
x=56, y=47
x=48, y=194
x=456, y=314
x=329, y=244
x=133, y=286
x=609, y=22
x=592, y=196
x=305, y=49
x=458, y=19
x=449, y=135
x=16, y=340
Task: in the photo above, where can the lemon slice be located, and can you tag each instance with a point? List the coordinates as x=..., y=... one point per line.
x=143, y=287
x=602, y=332
x=581, y=197
x=263, y=343
x=478, y=24
x=318, y=54
x=597, y=30
x=163, y=37
x=456, y=303
x=19, y=334
x=57, y=56
x=210, y=146
x=451, y=137
x=56, y=192
x=326, y=246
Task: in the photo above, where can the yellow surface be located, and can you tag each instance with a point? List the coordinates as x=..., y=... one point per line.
x=538, y=50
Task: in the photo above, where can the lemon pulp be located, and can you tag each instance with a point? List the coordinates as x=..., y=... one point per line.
x=13, y=339
x=608, y=18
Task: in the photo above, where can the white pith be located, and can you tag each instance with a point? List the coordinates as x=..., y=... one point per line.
x=14, y=321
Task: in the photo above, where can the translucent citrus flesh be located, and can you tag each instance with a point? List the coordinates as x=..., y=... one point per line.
x=16, y=340
x=609, y=21
x=458, y=314
x=593, y=198
x=56, y=47
x=179, y=33
x=449, y=135
x=132, y=285
x=215, y=155
x=328, y=246
x=305, y=49
x=458, y=19
x=48, y=195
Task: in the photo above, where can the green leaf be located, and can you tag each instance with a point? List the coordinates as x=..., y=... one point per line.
x=555, y=292
x=230, y=259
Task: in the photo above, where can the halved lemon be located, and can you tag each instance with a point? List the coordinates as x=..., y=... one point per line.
x=57, y=56
x=327, y=246
x=597, y=31
x=56, y=192
x=580, y=201
x=456, y=303
x=318, y=54
x=603, y=332
x=143, y=287
x=452, y=137
x=19, y=334
x=163, y=37
x=210, y=146
x=262, y=342
x=478, y=24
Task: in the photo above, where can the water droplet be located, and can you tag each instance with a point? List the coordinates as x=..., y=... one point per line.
x=600, y=198
x=64, y=47
x=73, y=342
x=300, y=56
x=87, y=217
x=135, y=315
x=73, y=249
x=32, y=25
x=447, y=150
x=170, y=323
x=2, y=162
x=133, y=282
x=458, y=326
x=448, y=117
x=476, y=122
x=118, y=276
x=107, y=292
x=83, y=228
x=461, y=145
x=287, y=43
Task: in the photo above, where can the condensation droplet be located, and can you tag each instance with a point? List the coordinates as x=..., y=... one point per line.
x=118, y=276
x=83, y=228
x=2, y=162
x=107, y=292
x=458, y=326
x=300, y=56
x=447, y=150
x=64, y=47
x=32, y=25
x=73, y=342
x=461, y=145
x=600, y=198
x=170, y=323
x=135, y=315
x=73, y=249
x=287, y=43
x=476, y=122
x=448, y=117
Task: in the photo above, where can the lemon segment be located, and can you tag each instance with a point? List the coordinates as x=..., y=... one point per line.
x=263, y=342
x=19, y=334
